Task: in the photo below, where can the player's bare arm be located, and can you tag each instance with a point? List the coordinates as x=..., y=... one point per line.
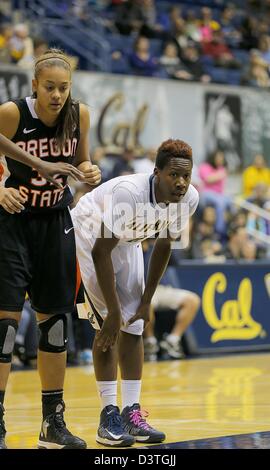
x=91, y=173
x=9, y=119
x=101, y=255
x=158, y=263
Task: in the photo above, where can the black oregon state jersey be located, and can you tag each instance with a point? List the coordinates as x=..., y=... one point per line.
x=38, y=139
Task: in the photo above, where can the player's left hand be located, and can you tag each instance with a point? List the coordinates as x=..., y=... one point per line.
x=143, y=313
x=91, y=174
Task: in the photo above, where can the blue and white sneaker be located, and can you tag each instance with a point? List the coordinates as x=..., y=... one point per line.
x=110, y=431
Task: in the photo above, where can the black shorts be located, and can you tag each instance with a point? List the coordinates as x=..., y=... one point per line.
x=38, y=257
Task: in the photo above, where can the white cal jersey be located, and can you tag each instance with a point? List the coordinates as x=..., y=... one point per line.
x=128, y=208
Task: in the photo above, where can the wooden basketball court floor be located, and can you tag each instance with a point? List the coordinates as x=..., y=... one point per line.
x=213, y=402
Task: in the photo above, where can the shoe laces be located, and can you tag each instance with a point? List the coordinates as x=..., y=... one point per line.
x=58, y=418
x=137, y=417
x=115, y=421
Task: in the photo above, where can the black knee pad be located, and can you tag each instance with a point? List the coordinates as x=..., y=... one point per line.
x=8, y=330
x=53, y=334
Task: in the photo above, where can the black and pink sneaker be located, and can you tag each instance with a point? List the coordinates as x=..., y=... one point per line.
x=134, y=423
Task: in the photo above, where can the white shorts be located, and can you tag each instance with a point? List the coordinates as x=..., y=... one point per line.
x=129, y=277
x=168, y=297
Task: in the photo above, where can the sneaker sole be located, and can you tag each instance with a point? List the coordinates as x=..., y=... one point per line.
x=111, y=443
x=151, y=439
x=53, y=445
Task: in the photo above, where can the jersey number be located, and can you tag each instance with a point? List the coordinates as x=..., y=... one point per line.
x=40, y=181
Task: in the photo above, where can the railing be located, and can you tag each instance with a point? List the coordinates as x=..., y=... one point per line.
x=259, y=212
x=92, y=46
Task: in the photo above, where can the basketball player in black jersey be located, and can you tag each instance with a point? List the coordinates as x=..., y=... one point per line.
x=37, y=245
x=46, y=169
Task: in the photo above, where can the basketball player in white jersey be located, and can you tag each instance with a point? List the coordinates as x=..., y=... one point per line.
x=110, y=224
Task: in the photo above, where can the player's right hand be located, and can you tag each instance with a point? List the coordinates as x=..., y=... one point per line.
x=11, y=200
x=107, y=336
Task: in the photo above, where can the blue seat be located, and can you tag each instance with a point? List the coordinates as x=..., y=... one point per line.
x=241, y=55
x=233, y=77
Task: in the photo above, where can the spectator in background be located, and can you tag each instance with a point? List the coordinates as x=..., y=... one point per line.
x=168, y=296
x=237, y=238
x=39, y=48
x=217, y=49
x=249, y=30
x=254, y=174
x=21, y=44
x=141, y=60
x=207, y=25
x=155, y=24
x=213, y=174
x=175, y=14
x=192, y=27
x=259, y=195
x=191, y=59
x=231, y=34
x=6, y=32
x=239, y=218
x=257, y=74
x=264, y=48
x=249, y=251
x=124, y=166
x=206, y=244
x=186, y=305
x=180, y=34
x=172, y=65
x=129, y=17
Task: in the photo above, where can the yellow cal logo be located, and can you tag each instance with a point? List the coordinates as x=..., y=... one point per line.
x=235, y=320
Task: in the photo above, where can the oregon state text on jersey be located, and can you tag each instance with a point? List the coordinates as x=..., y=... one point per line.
x=38, y=139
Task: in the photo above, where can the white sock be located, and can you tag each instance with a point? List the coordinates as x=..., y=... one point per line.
x=107, y=392
x=131, y=391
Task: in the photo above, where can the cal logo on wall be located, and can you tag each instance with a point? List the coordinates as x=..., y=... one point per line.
x=235, y=306
x=234, y=321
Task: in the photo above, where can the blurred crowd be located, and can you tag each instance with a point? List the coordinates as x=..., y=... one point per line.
x=225, y=42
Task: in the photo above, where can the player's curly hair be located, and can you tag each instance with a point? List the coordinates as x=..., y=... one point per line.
x=172, y=148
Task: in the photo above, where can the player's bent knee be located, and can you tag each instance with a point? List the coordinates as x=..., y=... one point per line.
x=8, y=330
x=53, y=334
x=196, y=301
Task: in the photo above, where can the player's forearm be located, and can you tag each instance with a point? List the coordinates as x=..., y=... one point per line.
x=158, y=263
x=8, y=148
x=106, y=279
